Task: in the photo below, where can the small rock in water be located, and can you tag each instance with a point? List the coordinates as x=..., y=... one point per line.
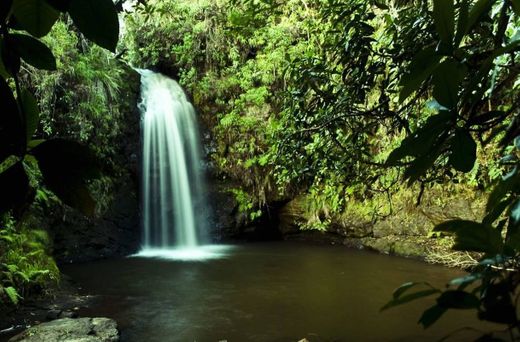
x=68, y=329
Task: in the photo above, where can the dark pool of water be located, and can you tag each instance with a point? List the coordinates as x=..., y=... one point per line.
x=265, y=292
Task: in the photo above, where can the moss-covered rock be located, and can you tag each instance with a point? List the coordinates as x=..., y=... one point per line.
x=68, y=329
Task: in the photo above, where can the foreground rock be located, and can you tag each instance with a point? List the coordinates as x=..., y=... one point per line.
x=68, y=329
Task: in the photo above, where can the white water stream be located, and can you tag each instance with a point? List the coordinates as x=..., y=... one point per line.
x=175, y=213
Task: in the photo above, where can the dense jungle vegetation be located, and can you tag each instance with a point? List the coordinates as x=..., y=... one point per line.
x=350, y=113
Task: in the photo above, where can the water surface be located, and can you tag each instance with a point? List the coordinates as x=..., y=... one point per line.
x=265, y=292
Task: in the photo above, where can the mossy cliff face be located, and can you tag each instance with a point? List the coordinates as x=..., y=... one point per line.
x=115, y=227
x=394, y=225
x=115, y=230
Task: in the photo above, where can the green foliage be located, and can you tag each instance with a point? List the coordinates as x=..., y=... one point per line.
x=97, y=20
x=232, y=62
x=471, y=86
x=26, y=266
x=21, y=113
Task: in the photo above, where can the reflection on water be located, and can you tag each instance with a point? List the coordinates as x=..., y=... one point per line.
x=265, y=292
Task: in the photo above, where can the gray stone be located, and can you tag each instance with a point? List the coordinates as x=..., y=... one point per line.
x=71, y=330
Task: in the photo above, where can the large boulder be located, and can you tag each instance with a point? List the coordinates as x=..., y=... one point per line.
x=68, y=329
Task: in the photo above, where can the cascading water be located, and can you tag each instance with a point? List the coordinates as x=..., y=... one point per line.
x=174, y=209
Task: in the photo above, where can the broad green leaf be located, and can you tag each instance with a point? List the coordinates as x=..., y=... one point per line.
x=31, y=111
x=515, y=212
x=462, y=22
x=473, y=236
x=381, y=5
x=516, y=6
x=421, y=67
x=456, y=299
x=446, y=82
x=97, y=20
x=421, y=164
x=60, y=5
x=497, y=303
x=487, y=117
x=496, y=260
x=466, y=280
x=3, y=70
x=33, y=51
x=66, y=166
x=10, y=59
x=512, y=132
x=514, y=220
x=508, y=183
x=33, y=143
x=11, y=133
x=431, y=315
x=409, y=297
x=477, y=11
x=496, y=211
x=444, y=19
x=474, y=90
x=406, y=286
x=422, y=141
x=463, y=151
x=5, y=8
x=14, y=185
x=35, y=16
x=12, y=294
x=513, y=241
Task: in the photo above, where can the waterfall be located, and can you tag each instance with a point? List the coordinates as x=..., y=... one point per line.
x=173, y=204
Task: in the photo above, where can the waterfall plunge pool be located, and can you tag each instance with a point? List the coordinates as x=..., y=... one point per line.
x=266, y=292
x=197, y=253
